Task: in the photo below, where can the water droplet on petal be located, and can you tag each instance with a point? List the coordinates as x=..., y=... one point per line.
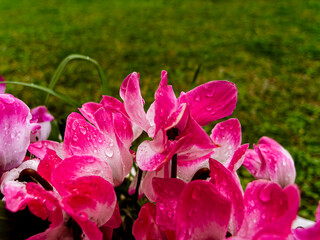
x=83, y=130
x=75, y=138
x=197, y=98
x=170, y=214
x=109, y=153
x=208, y=108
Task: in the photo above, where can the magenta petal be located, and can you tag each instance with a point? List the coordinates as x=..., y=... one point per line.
x=226, y=184
x=115, y=220
x=151, y=155
x=145, y=227
x=269, y=209
x=167, y=192
x=78, y=166
x=82, y=138
x=133, y=102
x=15, y=131
x=193, y=142
x=41, y=114
x=102, y=197
x=44, y=204
x=310, y=233
x=15, y=195
x=165, y=104
x=255, y=164
x=39, y=149
x=2, y=85
x=227, y=135
x=211, y=101
x=279, y=162
x=48, y=164
x=114, y=103
x=198, y=218
x=238, y=158
x=88, y=110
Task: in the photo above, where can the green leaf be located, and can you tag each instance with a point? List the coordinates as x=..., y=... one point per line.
x=61, y=96
x=56, y=76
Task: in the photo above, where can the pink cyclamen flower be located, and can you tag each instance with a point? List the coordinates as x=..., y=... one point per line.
x=107, y=136
x=309, y=233
x=77, y=189
x=185, y=211
x=269, y=211
x=269, y=160
x=186, y=114
x=40, y=124
x=14, y=131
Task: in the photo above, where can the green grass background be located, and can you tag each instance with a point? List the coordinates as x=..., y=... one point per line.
x=269, y=49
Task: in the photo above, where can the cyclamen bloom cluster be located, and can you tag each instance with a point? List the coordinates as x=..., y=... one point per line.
x=189, y=177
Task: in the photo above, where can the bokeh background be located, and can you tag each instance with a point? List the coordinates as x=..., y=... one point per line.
x=270, y=49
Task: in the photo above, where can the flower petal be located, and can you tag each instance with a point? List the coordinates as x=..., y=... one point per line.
x=133, y=102
x=226, y=184
x=198, y=218
x=279, y=162
x=211, y=101
x=145, y=226
x=88, y=110
x=15, y=131
x=102, y=203
x=227, y=135
x=269, y=209
x=167, y=192
x=78, y=166
x=39, y=149
x=256, y=164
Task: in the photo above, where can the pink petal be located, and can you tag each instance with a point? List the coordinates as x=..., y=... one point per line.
x=133, y=102
x=187, y=169
x=193, y=142
x=146, y=182
x=238, y=158
x=310, y=233
x=167, y=192
x=15, y=195
x=279, y=162
x=82, y=138
x=2, y=85
x=211, y=101
x=255, y=164
x=227, y=135
x=48, y=164
x=59, y=232
x=145, y=227
x=112, y=102
x=115, y=220
x=165, y=104
x=269, y=209
x=44, y=204
x=92, y=197
x=88, y=110
x=78, y=166
x=318, y=213
x=15, y=131
x=41, y=132
x=226, y=184
x=39, y=149
x=40, y=114
x=198, y=218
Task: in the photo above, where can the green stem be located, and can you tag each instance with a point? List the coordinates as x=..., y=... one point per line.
x=56, y=76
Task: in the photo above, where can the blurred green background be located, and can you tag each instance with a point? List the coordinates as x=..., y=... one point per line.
x=269, y=49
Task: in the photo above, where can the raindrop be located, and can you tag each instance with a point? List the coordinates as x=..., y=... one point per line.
x=208, y=108
x=197, y=98
x=75, y=138
x=161, y=206
x=109, y=153
x=83, y=130
x=170, y=214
